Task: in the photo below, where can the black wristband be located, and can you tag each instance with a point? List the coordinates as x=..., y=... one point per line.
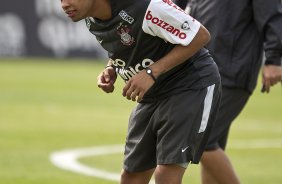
x=150, y=72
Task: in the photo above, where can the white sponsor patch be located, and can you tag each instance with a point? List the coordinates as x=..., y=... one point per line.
x=166, y=20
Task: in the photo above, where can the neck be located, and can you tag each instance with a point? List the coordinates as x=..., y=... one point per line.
x=102, y=10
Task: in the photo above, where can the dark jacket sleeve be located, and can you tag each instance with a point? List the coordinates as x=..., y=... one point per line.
x=268, y=17
x=181, y=3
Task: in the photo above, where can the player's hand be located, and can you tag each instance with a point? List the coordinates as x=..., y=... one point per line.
x=271, y=75
x=137, y=86
x=106, y=79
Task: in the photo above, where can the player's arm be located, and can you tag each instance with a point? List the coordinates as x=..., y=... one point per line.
x=140, y=83
x=268, y=17
x=107, y=78
x=192, y=37
x=180, y=53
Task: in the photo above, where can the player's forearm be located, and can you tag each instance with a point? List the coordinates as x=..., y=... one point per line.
x=179, y=54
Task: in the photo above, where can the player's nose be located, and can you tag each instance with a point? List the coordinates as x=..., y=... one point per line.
x=65, y=4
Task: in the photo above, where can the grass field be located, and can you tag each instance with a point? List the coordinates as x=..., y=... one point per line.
x=51, y=105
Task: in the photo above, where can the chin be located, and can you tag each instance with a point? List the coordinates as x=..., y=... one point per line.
x=76, y=19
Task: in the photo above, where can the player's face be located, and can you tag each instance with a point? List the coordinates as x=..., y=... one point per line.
x=77, y=9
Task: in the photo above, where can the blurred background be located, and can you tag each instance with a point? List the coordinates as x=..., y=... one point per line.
x=40, y=28
x=49, y=103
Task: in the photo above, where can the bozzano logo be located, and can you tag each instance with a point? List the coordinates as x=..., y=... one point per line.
x=166, y=26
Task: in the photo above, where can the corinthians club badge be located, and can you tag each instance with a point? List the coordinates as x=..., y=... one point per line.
x=125, y=37
x=185, y=26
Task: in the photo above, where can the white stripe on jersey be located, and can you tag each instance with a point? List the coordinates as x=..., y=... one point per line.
x=207, y=108
x=166, y=20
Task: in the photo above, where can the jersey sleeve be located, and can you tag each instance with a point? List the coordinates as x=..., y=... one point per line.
x=166, y=20
x=268, y=18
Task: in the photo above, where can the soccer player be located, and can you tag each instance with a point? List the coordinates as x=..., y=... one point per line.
x=158, y=50
x=241, y=30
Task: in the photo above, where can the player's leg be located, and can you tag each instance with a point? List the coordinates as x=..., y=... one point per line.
x=217, y=169
x=171, y=174
x=215, y=163
x=136, y=177
x=182, y=131
x=140, y=151
x=206, y=176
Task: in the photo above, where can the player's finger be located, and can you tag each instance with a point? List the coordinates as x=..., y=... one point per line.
x=140, y=97
x=129, y=92
x=125, y=88
x=134, y=94
x=107, y=76
x=267, y=85
x=107, y=87
x=101, y=78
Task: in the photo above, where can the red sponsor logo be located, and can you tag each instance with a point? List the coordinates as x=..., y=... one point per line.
x=166, y=26
x=170, y=3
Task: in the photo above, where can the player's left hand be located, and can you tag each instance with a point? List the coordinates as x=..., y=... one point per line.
x=106, y=80
x=137, y=86
x=271, y=75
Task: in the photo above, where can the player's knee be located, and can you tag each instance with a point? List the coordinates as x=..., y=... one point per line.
x=160, y=177
x=136, y=177
x=169, y=174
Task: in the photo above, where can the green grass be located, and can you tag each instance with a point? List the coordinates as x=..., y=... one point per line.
x=50, y=105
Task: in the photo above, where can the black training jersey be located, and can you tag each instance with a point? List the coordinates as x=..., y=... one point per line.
x=141, y=32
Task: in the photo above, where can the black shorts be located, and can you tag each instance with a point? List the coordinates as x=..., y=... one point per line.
x=232, y=102
x=173, y=130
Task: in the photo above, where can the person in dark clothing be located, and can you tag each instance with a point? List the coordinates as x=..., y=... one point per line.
x=241, y=30
x=158, y=50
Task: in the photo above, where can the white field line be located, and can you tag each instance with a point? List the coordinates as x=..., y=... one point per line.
x=68, y=159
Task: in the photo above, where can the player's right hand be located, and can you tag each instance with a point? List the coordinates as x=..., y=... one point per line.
x=271, y=75
x=106, y=79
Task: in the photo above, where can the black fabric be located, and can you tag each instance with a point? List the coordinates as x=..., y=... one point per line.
x=181, y=3
x=196, y=73
x=166, y=133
